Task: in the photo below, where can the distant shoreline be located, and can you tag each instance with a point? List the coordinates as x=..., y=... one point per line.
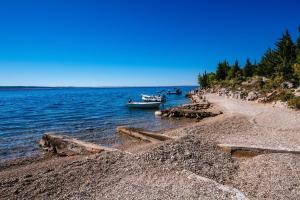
x=87, y=87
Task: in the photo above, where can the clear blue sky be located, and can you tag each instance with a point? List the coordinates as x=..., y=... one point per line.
x=133, y=43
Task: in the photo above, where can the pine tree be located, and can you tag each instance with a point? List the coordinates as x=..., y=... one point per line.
x=222, y=70
x=286, y=54
x=203, y=80
x=248, y=70
x=236, y=70
x=268, y=64
x=298, y=48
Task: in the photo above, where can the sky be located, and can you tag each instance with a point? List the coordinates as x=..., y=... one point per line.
x=134, y=42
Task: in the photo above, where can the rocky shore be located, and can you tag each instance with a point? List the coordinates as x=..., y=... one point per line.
x=192, y=111
x=187, y=163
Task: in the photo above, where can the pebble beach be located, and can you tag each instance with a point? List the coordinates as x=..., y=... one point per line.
x=191, y=166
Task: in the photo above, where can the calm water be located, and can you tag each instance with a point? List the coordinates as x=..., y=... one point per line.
x=91, y=114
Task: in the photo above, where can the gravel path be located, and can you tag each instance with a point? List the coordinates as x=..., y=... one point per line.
x=172, y=170
x=270, y=176
x=270, y=126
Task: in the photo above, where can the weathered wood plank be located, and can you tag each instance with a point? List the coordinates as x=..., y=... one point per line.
x=67, y=146
x=250, y=151
x=142, y=135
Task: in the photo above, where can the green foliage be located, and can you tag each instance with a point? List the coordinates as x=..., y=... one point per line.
x=203, y=80
x=222, y=70
x=294, y=102
x=298, y=48
x=268, y=64
x=286, y=95
x=235, y=71
x=249, y=69
x=211, y=78
x=207, y=79
x=286, y=55
x=296, y=72
x=278, y=65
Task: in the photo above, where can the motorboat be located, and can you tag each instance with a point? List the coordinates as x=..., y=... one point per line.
x=146, y=105
x=176, y=91
x=154, y=98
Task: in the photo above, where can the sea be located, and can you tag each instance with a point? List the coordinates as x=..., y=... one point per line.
x=89, y=114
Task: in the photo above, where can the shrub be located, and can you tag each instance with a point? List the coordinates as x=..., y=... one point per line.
x=294, y=102
x=286, y=95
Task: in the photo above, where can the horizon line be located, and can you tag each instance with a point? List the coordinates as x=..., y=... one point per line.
x=33, y=86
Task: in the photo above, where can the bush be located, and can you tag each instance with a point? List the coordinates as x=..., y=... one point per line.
x=294, y=102
x=286, y=95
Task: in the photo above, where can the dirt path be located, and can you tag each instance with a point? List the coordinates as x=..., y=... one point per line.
x=271, y=127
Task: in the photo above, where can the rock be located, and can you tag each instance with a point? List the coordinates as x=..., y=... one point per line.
x=196, y=111
x=158, y=113
x=67, y=146
x=252, y=96
x=297, y=92
x=287, y=85
x=268, y=98
x=264, y=79
x=280, y=104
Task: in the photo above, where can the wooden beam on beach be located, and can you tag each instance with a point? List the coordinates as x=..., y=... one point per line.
x=67, y=146
x=250, y=151
x=145, y=136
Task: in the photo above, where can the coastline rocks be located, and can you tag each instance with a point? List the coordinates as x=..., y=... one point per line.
x=280, y=104
x=287, y=85
x=196, y=111
x=67, y=146
x=252, y=96
x=297, y=92
x=238, y=95
x=158, y=113
x=268, y=98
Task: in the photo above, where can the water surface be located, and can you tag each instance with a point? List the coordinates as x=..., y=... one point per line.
x=90, y=114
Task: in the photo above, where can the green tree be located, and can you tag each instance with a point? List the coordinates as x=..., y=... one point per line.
x=235, y=71
x=203, y=80
x=268, y=64
x=222, y=70
x=298, y=47
x=296, y=73
x=211, y=78
x=286, y=55
x=248, y=69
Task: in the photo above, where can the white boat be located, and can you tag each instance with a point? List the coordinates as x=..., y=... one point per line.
x=153, y=98
x=143, y=104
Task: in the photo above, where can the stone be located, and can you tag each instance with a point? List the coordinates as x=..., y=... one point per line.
x=252, y=96
x=158, y=113
x=297, y=92
x=287, y=85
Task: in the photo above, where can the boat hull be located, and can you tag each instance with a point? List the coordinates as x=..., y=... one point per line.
x=144, y=105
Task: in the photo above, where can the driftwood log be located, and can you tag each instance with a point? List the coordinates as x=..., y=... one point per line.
x=142, y=135
x=67, y=146
x=250, y=151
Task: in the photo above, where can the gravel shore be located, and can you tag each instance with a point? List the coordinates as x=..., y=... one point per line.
x=188, y=167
